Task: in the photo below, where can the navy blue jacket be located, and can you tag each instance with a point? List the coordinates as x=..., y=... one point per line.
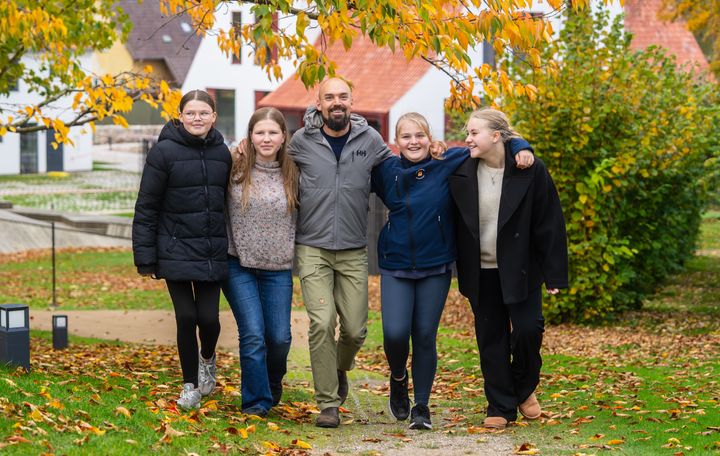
x=420, y=231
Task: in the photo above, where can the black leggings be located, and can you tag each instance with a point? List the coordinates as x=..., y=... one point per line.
x=196, y=306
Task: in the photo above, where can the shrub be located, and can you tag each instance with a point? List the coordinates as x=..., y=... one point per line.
x=632, y=142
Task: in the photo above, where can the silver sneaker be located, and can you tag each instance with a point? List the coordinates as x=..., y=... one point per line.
x=190, y=397
x=206, y=375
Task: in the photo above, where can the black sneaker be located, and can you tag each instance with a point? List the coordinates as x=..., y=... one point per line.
x=276, y=391
x=420, y=417
x=399, y=401
x=343, y=387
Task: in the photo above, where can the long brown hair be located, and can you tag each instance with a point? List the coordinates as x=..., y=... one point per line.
x=243, y=163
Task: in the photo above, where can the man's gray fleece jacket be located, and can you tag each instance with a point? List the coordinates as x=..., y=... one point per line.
x=334, y=194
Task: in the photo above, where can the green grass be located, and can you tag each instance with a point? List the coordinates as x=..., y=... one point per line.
x=645, y=385
x=85, y=280
x=710, y=230
x=77, y=202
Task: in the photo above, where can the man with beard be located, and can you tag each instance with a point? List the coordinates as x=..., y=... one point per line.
x=335, y=151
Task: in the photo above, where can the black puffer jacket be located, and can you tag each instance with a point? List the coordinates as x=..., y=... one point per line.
x=179, y=226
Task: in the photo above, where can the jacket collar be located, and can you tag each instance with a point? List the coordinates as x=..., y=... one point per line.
x=464, y=188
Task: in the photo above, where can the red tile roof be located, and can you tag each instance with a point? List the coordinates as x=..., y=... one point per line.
x=641, y=18
x=378, y=76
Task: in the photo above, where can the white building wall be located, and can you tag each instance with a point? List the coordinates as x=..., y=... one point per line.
x=211, y=68
x=77, y=157
x=10, y=154
x=426, y=97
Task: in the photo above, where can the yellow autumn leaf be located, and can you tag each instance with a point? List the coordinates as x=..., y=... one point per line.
x=36, y=415
x=300, y=444
x=272, y=426
x=173, y=432
x=123, y=411
x=615, y=442
x=96, y=430
x=211, y=405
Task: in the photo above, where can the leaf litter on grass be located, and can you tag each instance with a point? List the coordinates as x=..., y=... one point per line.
x=127, y=393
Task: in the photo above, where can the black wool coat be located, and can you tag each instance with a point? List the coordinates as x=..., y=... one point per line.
x=531, y=239
x=179, y=228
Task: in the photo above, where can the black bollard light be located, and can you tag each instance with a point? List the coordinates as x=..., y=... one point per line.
x=60, y=331
x=15, y=335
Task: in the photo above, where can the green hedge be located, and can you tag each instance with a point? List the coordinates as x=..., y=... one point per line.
x=632, y=143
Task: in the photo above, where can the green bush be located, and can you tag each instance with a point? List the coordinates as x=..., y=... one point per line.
x=632, y=142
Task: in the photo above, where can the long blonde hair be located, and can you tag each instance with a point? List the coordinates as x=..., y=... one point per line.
x=244, y=163
x=496, y=121
x=437, y=148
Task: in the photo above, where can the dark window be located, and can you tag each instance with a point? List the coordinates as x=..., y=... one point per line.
x=237, y=28
x=379, y=122
x=225, y=106
x=259, y=95
x=29, y=153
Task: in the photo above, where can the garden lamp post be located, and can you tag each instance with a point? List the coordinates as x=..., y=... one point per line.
x=15, y=335
x=60, y=331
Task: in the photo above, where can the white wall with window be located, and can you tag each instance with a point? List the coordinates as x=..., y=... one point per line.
x=234, y=81
x=30, y=153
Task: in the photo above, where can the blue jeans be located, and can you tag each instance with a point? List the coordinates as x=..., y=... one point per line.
x=260, y=301
x=411, y=309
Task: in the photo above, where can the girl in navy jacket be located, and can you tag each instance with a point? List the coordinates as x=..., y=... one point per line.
x=416, y=250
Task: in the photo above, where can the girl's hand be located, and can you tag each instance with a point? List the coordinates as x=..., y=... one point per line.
x=437, y=149
x=553, y=291
x=240, y=148
x=524, y=159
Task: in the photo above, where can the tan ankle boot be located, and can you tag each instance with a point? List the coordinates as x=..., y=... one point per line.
x=495, y=422
x=530, y=409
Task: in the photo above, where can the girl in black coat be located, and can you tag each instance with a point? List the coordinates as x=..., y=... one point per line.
x=510, y=236
x=179, y=233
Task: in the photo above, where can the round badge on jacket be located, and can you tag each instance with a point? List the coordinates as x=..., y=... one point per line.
x=420, y=174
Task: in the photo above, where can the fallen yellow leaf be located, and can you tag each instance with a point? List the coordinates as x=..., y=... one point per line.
x=123, y=411
x=300, y=444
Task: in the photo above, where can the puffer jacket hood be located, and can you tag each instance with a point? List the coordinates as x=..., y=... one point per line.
x=176, y=132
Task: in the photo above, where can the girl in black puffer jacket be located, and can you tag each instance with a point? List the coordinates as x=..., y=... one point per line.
x=179, y=233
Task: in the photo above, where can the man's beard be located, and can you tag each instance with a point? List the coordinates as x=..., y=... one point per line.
x=337, y=124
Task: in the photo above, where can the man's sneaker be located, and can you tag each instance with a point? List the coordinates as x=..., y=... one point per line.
x=399, y=400
x=420, y=417
x=343, y=387
x=276, y=391
x=189, y=397
x=328, y=418
x=206, y=375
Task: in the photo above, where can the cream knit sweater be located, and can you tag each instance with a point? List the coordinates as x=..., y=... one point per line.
x=263, y=235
